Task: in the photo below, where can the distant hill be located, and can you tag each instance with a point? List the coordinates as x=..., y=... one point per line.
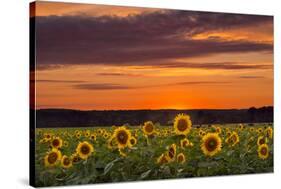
x=48, y=118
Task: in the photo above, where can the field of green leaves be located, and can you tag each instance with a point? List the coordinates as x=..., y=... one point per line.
x=70, y=156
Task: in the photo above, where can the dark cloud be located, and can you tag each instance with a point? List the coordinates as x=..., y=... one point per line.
x=139, y=39
x=251, y=77
x=119, y=74
x=112, y=86
x=59, y=81
x=202, y=82
x=211, y=65
x=102, y=86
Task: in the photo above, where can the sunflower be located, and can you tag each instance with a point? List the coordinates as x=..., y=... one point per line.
x=263, y=151
x=100, y=131
x=84, y=149
x=172, y=151
x=241, y=126
x=66, y=162
x=182, y=124
x=48, y=137
x=111, y=143
x=106, y=135
x=87, y=133
x=259, y=130
x=93, y=137
x=211, y=144
x=252, y=129
x=261, y=140
x=269, y=132
x=52, y=157
x=75, y=158
x=162, y=159
x=122, y=136
x=184, y=143
x=181, y=158
x=78, y=135
x=233, y=139
x=148, y=128
x=133, y=141
x=65, y=143
x=202, y=133
x=56, y=142
x=218, y=130
x=228, y=133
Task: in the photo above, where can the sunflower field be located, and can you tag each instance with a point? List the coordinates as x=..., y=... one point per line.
x=69, y=156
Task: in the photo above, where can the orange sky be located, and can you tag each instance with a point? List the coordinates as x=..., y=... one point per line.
x=229, y=78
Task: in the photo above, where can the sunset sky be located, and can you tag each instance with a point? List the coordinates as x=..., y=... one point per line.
x=96, y=57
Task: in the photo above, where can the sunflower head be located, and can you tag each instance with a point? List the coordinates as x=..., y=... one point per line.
x=56, y=142
x=181, y=158
x=133, y=141
x=52, y=158
x=263, y=151
x=93, y=137
x=218, y=130
x=111, y=143
x=269, y=132
x=87, y=133
x=75, y=158
x=65, y=143
x=211, y=144
x=66, y=162
x=172, y=151
x=184, y=143
x=162, y=159
x=261, y=140
x=84, y=149
x=148, y=128
x=122, y=136
x=182, y=124
x=233, y=139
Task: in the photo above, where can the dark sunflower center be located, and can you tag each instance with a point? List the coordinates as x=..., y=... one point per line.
x=122, y=137
x=211, y=144
x=132, y=141
x=56, y=142
x=180, y=158
x=52, y=157
x=85, y=149
x=262, y=141
x=184, y=143
x=66, y=161
x=182, y=125
x=171, y=152
x=234, y=138
x=149, y=128
x=75, y=159
x=264, y=151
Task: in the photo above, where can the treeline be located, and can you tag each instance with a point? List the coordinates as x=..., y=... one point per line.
x=46, y=118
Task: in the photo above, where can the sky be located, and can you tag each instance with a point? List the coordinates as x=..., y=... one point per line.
x=97, y=57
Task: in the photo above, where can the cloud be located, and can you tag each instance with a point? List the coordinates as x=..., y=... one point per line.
x=59, y=81
x=251, y=77
x=202, y=82
x=118, y=74
x=112, y=86
x=102, y=86
x=211, y=65
x=140, y=39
